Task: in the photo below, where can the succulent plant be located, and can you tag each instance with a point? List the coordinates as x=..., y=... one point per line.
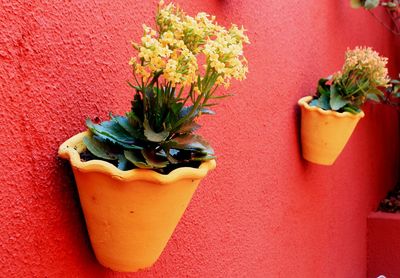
x=367, y=4
x=177, y=70
x=156, y=133
x=359, y=80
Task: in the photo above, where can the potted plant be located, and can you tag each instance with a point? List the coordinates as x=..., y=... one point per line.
x=137, y=173
x=329, y=118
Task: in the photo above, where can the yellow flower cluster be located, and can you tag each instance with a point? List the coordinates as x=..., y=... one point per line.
x=367, y=64
x=171, y=52
x=225, y=55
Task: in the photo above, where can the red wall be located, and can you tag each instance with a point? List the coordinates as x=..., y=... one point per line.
x=383, y=244
x=264, y=212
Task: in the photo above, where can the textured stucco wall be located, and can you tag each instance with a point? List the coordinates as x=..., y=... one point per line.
x=264, y=212
x=383, y=244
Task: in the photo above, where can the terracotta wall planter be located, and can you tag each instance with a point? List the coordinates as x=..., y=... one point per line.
x=383, y=244
x=324, y=133
x=130, y=215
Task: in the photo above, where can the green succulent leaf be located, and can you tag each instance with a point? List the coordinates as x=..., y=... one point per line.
x=351, y=109
x=133, y=119
x=336, y=100
x=314, y=102
x=371, y=4
x=191, y=142
x=204, y=158
x=136, y=159
x=323, y=88
x=171, y=153
x=185, y=111
x=323, y=102
x=373, y=97
x=375, y=91
x=153, y=160
x=122, y=162
x=396, y=88
x=207, y=111
x=125, y=124
x=113, y=132
x=99, y=149
x=189, y=127
x=153, y=136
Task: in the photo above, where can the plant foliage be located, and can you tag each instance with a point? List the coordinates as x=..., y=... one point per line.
x=359, y=80
x=172, y=90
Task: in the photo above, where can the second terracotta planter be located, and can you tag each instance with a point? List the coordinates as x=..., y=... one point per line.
x=324, y=133
x=130, y=215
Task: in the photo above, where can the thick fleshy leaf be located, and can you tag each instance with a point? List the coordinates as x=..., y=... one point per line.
x=125, y=124
x=185, y=111
x=396, y=88
x=151, y=135
x=113, y=132
x=336, y=102
x=110, y=129
x=136, y=159
x=314, y=102
x=99, y=149
x=323, y=88
x=324, y=91
x=153, y=160
x=171, y=156
x=351, y=109
x=191, y=142
x=375, y=91
x=204, y=158
x=373, y=97
x=122, y=162
x=189, y=127
x=371, y=4
x=323, y=102
x=207, y=111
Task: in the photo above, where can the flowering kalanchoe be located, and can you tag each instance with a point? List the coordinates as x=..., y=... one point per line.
x=178, y=68
x=367, y=4
x=363, y=73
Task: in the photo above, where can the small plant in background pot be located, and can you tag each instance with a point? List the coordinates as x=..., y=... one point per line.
x=329, y=117
x=136, y=173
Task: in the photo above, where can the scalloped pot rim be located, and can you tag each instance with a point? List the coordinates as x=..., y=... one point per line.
x=304, y=103
x=71, y=148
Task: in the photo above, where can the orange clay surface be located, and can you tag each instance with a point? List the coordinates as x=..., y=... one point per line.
x=324, y=134
x=130, y=215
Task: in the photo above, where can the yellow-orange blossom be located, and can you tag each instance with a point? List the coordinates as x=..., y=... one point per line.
x=172, y=50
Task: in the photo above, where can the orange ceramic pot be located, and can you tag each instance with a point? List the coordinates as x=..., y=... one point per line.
x=324, y=133
x=130, y=215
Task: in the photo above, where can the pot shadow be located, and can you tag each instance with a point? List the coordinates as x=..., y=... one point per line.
x=304, y=164
x=86, y=260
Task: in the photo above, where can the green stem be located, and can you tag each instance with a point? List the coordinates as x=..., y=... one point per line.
x=190, y=114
